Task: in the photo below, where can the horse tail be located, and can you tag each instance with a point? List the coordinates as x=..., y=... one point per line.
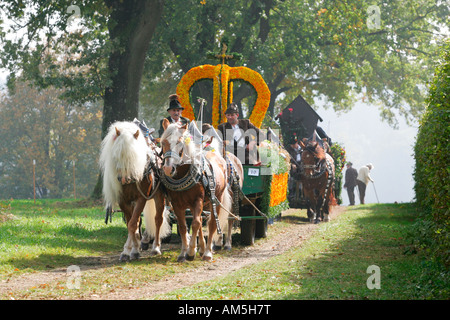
x=227, y=203
x=332, y=199
x=150, y=224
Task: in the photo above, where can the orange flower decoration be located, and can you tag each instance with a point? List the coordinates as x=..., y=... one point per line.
x=278, y=188
x=223, y=90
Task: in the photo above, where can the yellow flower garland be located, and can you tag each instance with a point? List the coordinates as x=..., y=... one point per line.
x=278, y=188
x=262, y=91
x=187, y=81
x=224, y=90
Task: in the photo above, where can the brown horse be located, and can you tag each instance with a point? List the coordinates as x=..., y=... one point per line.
x=317, y=169
x=128, y=163
x=194, y=179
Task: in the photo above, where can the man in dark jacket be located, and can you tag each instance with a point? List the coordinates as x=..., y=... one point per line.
x=294, y=184
x=175, y=110
x=350, y=182
x=240, y=136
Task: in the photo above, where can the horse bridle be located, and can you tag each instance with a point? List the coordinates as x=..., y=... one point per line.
x=318, y=167
x=188, y=181
x=171, y=154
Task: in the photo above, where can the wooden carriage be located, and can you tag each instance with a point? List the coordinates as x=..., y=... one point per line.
x=265, y=192
x=299, y=119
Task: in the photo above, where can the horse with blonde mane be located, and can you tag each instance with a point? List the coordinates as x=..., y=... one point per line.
x=194, y=179
x=128, y=164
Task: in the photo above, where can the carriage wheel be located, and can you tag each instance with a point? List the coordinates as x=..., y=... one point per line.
x=261, y=228
x=248, y=226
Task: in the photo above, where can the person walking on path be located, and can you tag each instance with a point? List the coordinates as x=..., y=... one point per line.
x=350, y=182
x=363, y=179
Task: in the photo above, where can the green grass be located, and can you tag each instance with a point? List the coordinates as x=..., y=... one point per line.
x=52, y=234
x=333, y=263
x=55, y=234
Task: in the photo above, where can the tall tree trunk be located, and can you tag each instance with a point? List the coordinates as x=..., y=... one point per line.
x=131, y=27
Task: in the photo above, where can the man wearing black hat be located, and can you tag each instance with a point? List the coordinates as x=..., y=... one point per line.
x=175, y=109
x=240, y=136
x=294, y=185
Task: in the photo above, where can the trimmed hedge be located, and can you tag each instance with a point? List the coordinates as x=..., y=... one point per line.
x=432, y=167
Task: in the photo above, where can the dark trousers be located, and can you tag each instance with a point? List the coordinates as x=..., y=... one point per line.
x=351, y=195
x=362, y=190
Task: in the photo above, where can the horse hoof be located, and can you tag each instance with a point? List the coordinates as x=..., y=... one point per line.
x=155, y=252
x=124, y=258
x=316, y=221
x=217, y=248
x=181, y=258
x=227, y=248
x=135, y=256
x=190, y=258
x=145, y=246
x=207, y=257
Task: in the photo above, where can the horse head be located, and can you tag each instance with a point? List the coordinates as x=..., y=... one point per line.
x=123, y=157
x=176, y=146
x=313, y=157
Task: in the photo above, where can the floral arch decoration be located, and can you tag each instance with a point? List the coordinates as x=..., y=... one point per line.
x=222, y=76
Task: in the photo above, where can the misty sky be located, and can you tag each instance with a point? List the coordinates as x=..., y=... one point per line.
x=367, y=139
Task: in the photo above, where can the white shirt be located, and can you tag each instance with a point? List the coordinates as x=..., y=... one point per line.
x=364, y=175
x=299, y=156
x=177, y=122
x=237, y=135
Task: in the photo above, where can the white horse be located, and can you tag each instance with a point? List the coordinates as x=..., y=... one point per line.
x=127, y=163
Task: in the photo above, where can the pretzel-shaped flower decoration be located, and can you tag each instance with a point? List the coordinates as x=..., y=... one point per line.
x=222, y=76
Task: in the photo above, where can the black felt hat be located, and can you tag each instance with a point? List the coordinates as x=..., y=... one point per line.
x=232, y=109
x=174, y=103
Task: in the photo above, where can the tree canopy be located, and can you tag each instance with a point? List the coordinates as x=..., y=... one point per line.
x=127, y=53
x=319, y=49
x=92, y=49
x=331, y=50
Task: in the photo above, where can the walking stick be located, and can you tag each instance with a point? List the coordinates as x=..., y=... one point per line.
x=373, y=183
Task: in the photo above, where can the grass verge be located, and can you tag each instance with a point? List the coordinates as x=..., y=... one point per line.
x=331, y=264
x=334, y=262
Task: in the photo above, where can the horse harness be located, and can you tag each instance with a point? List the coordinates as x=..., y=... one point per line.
x=149, y=171
x=203, y=174
x=327, y=168
x=233, y=182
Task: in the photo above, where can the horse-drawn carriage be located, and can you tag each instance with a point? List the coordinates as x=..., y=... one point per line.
x=142, y=179
x=315, y=179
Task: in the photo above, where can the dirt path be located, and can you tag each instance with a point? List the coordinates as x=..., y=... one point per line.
x=292, y=236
